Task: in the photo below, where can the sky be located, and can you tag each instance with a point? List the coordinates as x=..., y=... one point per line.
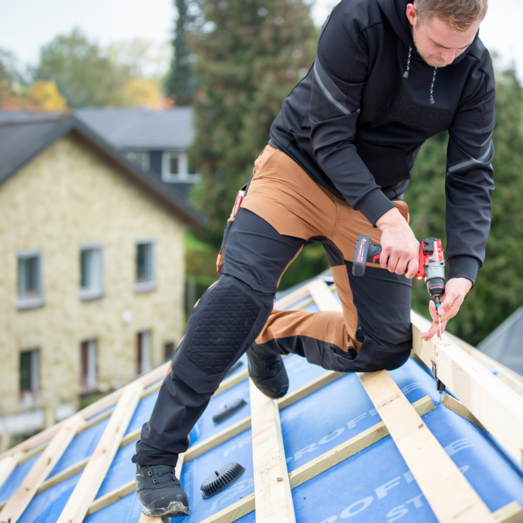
x=26, y=25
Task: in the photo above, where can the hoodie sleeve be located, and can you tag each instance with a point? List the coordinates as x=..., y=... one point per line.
x=340, y=73
x=470, y=176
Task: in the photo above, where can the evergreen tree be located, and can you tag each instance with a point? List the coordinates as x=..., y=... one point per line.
x=181, y=84
x=499, y=285
x=251, y=53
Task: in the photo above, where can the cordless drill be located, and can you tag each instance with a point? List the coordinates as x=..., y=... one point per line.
x=431, y=267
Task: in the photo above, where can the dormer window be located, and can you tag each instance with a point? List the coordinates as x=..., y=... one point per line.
x=176, y=168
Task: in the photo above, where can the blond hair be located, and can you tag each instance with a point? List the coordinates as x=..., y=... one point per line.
x=459, y=14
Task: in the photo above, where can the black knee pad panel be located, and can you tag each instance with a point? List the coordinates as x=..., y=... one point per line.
x=225, y=323
x=229, y=315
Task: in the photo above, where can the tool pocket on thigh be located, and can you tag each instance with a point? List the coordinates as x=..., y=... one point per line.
x=235, y=209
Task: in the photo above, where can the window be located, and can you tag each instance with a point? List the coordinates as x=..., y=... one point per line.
x=144, y=352
x=29, y=377
x=88, y=365
x=168, y=351
x=91, y=284
x=145, y=261
x=140, y=158
x=30, y=285
x=176, y=168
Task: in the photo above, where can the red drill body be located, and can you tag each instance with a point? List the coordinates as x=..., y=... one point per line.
x=431, y=268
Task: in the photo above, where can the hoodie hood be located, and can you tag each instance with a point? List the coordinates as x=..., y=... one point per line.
x=396, y=13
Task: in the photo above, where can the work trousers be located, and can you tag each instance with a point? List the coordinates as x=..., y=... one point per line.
x=283, y=210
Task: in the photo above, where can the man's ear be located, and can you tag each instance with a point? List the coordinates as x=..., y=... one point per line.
x=412, y=13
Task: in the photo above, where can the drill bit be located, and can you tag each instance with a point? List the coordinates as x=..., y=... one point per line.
x=440, y=386
x=438, y=303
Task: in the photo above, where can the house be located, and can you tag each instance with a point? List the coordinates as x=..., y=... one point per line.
x=369, y=447
x=154, y=140
x=92, y=259
x=505, y=343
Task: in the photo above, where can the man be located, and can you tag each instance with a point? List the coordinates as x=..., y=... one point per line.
x=388, y=75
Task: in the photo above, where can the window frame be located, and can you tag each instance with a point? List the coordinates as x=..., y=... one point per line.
x=38, y=301
x=86, y=294
x=92, y=354
x=150, y=285
x=183, y=165
x=143, y=349
x=146, y=160
x=28, y=398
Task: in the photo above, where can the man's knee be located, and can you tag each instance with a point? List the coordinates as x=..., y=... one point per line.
x=226, y=321
x=384, y=348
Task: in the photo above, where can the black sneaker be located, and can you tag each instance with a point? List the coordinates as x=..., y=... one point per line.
x=159, y=492
x=268, y=373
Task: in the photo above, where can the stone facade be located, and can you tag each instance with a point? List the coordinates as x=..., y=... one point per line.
x=67, y=196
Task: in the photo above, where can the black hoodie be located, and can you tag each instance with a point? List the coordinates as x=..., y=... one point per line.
x=356, y=122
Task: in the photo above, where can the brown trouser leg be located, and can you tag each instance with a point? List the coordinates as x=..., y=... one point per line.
x=376, y=307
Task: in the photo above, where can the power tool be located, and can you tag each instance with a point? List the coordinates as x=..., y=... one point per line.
x=431, y=268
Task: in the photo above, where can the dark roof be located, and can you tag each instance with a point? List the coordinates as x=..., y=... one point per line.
x=22, y=139
x=505, y=343
x=141, y=128
x=9, y=116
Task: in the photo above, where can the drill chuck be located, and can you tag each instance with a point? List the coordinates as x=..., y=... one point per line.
x=435, y=278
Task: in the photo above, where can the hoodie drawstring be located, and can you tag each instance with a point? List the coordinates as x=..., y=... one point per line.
x=406, y=75
x=432, y=101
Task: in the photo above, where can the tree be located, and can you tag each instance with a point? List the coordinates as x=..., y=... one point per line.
x=43, y=95
x=499, y=286
x=83, y=72
x=181, y=84
x=250, y=54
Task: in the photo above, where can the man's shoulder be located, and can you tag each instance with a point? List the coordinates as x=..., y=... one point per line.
x=478, y=56
x=362, y=13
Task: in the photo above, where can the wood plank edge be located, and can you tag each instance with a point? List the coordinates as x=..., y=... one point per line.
x=511, y=513
x=456, y=406
x=233, y=512
x=350, y=447
x=111, y=497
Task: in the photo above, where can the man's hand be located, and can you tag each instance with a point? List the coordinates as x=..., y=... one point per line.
x=399, y=247
x=455, y=292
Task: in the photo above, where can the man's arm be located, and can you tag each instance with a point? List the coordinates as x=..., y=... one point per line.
x=339, y=76
x=340, y=73
x=468, y=186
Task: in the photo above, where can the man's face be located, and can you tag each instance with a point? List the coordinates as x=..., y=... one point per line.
x=437, y=43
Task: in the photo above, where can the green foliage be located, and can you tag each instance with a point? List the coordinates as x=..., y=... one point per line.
x=83, y=72
x=499, y=286
x=250, y=55
x=181, y=84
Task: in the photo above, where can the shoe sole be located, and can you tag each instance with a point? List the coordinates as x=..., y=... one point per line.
x=174, y=510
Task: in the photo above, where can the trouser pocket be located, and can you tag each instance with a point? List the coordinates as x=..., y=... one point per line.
x=235, y=209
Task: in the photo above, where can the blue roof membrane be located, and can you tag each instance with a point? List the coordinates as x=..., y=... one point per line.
x=194, y=473
x=82, y=446
x=375, y=485
x=125, y=510
x=15, y=479
x=47, y=506
x=142, y=413
x=248, y=518
x=366, y=488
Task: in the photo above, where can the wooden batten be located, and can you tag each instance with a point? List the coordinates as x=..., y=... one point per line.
x=8, y=464
x=99, y=463
x=498, y=408
x=323, y=296
x=40, y=470
x=272, y=491
x=458, y=407
x=446, y=489
x=350, y=447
